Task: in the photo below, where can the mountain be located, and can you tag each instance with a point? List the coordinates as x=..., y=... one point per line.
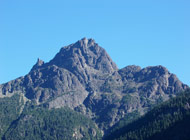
x=83, y=78
x=55, y=124
x=168, y=121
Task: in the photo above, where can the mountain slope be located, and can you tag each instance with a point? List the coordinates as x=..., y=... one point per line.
x=55, y=124
x=10, y=109
x=84, y=78
x=170, y=120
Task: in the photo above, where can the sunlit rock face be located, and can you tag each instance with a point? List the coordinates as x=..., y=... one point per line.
x=83, y=77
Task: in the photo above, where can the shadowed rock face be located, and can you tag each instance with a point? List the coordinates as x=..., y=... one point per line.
x=83, y=77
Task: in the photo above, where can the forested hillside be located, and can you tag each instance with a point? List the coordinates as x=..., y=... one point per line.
x=168, y=121
x=38, y=123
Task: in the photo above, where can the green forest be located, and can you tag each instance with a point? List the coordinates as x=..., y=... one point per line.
x=39, y=123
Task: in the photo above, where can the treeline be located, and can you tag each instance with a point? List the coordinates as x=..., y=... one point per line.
x=32, y=122
x=168, y=121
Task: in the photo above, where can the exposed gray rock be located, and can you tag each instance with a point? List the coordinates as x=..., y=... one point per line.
x=85, y=59
x=70, y=99
x=83, y=77
x=38, y=64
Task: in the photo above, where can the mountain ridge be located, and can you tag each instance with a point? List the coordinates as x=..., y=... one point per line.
x=83, y=77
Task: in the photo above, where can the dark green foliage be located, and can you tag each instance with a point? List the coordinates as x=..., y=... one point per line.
x=10, y=108
x=37, y=123
x=116, y=130
x=168, y=121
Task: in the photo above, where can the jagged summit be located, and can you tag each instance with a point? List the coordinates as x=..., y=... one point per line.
x=83, y=77
x=87, y=42
x=84, y=58
x=84, y=53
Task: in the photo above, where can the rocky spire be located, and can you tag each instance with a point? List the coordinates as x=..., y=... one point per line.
x=38, y=64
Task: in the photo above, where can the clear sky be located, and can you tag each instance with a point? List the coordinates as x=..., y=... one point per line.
x=140, y=32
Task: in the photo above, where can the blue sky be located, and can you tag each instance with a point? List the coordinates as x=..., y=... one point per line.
x=140, y=32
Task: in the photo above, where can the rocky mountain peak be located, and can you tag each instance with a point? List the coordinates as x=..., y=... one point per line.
x=84, y=58
x=87, y=42
x=83, y=77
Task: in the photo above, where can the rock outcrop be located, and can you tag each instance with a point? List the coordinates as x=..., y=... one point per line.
x=83, y=77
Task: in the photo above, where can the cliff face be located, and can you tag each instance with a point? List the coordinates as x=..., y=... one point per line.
x=84, y=78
